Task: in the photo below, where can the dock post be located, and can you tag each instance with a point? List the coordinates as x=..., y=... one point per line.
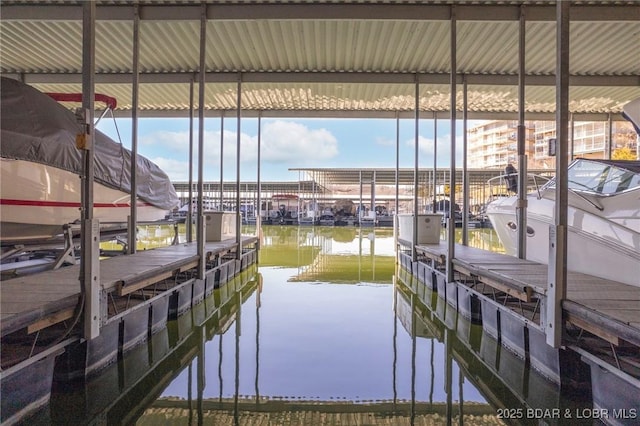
x=557, y=272
x=451, y=225
x=135, y=90
x=238, y=137
x=416, y=152
x=200, y=235
x=521, y=206
x=90, y=231
x=90, y=266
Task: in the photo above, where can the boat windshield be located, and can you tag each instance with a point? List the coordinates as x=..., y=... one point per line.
x=603, y=178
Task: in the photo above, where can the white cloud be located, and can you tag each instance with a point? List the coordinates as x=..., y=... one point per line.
x=385, y=141
x=176, y=141
x=283, y=144
x=288, y=142
x=426, y=150
x=176, y=170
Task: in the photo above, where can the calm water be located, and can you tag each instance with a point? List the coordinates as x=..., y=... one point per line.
x=325, y=331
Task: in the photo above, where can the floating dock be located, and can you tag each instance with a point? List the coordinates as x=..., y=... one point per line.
x=507, y=295
x=139, y=294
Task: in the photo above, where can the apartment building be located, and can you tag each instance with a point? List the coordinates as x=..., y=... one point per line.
x=494, y=144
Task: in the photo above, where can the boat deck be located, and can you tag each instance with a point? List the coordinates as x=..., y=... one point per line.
x=608, y=309
x=36, y=301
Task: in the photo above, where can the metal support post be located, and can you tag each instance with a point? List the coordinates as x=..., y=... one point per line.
x=521, y=206
x=465, y=172
x=238, y=134
x=200, y=235
x=397, y=178
x=133, y=214
x=451, y=226
x=434, y=183
x=557, y=275
x=259, y=185
x=189, y=221
x=90, y=227
x=416, y=187
x=221, y=208
x=373, y=193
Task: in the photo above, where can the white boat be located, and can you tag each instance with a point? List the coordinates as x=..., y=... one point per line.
x=603, y=220
x=209, y=204
x=40, y=168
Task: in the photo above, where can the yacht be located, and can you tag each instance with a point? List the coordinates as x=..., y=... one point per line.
x=603, y=235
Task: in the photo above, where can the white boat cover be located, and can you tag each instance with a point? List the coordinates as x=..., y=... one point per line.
x=36, y=128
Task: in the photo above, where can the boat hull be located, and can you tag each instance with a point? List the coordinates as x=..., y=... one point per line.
x=37, y=200
x=604, y=247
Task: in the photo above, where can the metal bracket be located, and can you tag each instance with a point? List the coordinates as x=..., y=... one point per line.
x=68, y=255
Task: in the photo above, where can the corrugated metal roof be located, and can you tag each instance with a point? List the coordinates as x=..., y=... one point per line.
x=356, y=57
x=387, y=176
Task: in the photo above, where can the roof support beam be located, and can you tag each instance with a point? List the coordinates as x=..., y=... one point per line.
x=330, y=77
x=322, y=11
x=378, y=114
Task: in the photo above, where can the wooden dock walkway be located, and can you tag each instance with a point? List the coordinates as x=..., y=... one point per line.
x=38, y=300
x=608, y=309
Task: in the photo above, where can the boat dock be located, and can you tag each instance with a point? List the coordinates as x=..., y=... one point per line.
x=41, y=300
x=139, y=293
x=614, y=317
x=507, y=295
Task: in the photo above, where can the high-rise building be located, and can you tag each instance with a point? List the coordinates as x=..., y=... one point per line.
x=494, y=144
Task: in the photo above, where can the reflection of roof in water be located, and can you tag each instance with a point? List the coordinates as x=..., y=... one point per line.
x=288, y=255
x=348, y=269
x=318, y=413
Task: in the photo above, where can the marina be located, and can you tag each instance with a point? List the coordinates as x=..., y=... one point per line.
x=497, y=284
x=271, y=343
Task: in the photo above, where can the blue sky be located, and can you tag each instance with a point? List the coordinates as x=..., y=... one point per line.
x=286, y=143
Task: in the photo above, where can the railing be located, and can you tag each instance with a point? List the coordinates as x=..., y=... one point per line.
x=499, y=185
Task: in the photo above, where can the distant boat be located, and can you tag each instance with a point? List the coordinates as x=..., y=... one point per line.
x=287, y=212
x=603, y=218
x=40, y=169
x=327, y=218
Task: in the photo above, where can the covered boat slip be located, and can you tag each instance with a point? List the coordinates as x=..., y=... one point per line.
x=41, y=300
x=608, y=309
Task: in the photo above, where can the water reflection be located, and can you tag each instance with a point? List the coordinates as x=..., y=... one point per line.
x=327, y=254
x=324, y=332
